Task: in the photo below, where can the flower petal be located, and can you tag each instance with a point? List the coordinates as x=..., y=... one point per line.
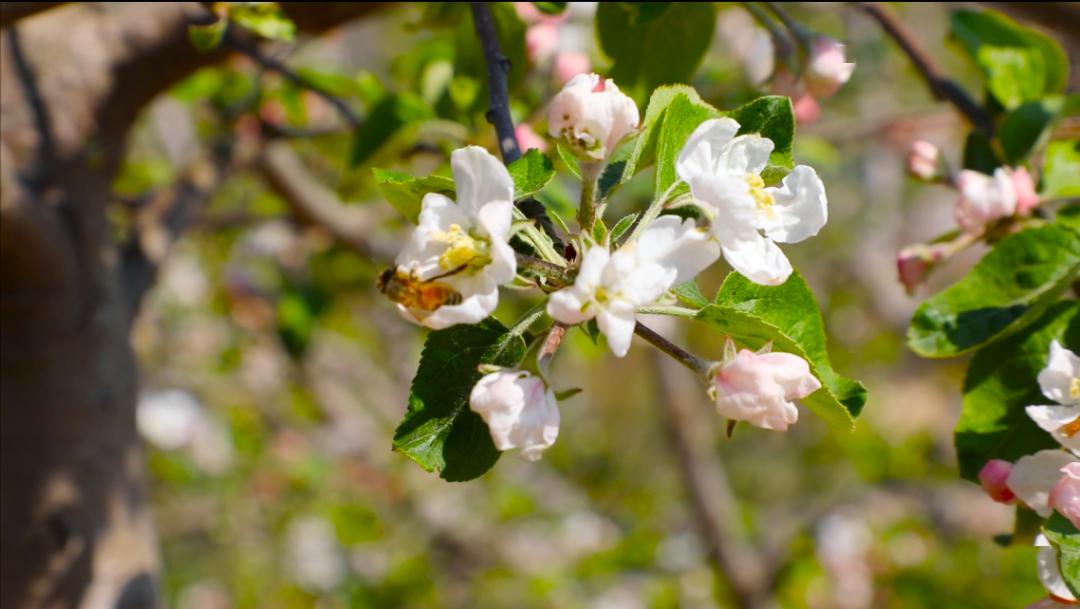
x=1034, y=476
x=1053, y=418
x=570, y=306
x=701, y=153
x=800, y=208
x=792, y=373
x=1059, y=380
x=757, y=258
x=1050, y=573
x=747, y=154
x=479, y=178
x=678, y=244
x=617, y=324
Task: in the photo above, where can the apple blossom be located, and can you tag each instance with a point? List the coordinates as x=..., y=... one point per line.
x=915, y=261
x=519, y=409
x=569, y=64
x=611, y=287
x=759, y=387
x=723, y=171
x=993, y=477
x=592, y=116
x=923, y=160
x=983, y=198
x=1034, y=476
x=1050, y=572
x=464, y=244
x=827, y=68
x=1065, y=497
x=1060, y=382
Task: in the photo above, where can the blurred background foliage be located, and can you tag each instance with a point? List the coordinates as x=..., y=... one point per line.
x=285, y=372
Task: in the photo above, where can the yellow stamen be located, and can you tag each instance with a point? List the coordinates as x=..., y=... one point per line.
x=461, y=248
x=763, y=199
x=1071, y=428
x=1074, y=388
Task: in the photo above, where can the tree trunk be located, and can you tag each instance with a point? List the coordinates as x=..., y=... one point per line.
x=75, y=530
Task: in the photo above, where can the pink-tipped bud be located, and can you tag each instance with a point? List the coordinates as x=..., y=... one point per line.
x=923, y=160
x=993, y=477
x=914, y=262
x=1024, y=185
x=984, y=199
x=827, y=68
x=1065, y=498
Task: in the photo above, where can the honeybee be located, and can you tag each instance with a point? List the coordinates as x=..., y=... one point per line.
x=408, y=290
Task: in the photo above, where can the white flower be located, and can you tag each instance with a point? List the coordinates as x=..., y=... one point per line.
x=1049, y=572
x=1060, y=382
x=1033, y=477
x=464, y=245
x=759, y=387
x=592, y=116
x=168, y=419
x=984, y=198
x=612, y=286
x=723, y=172
x=827, y=69
x=520, y=411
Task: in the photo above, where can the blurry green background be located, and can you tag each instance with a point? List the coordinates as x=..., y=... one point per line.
x=289, y=371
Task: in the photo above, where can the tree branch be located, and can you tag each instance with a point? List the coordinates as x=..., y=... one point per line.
x=498, y=66
x=942, y=87
x=251, y=50
x=679, y=354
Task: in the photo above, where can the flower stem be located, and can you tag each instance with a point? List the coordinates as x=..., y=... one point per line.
x=587, y=209
x=528, y=319
x=684, y=357
x=801, y=34
x=785, y=48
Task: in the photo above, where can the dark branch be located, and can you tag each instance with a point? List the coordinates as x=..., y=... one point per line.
x=498, y=67
x=942, y=87
x=681, y=355
x=251, y=50
x=42, y=120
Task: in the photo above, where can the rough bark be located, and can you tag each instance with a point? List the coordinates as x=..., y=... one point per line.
x=75, y=530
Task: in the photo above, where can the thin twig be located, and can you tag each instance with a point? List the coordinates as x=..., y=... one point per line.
x=684, y=357
x=251, y=50
x=942, y=87
x=551, y=344
x=498, y=67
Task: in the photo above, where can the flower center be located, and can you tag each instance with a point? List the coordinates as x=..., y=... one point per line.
x=763, y=199
x=461, y=249
x=1074, y=388
x=1071, y=428
x=601, y=295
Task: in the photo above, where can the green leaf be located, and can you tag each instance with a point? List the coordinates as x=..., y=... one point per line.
x=550, y=8
x=690, y=294
x=1020, y=64
x=392, y=114
x=1061, y=534
x=771, y=117
x=680, y=119
x=643, y=153
x=1061, y=169
x=568, y=159
x=622, y=226
x=787, y=316
x=653, y=45
x=264, y=18
x=1010, y=287
x=207, y=37
x=440, y=432
x=406, y=192
x=1000, y=383
x=1024, y=126
x=979, y=153
x=592, y=330
x=531, y=173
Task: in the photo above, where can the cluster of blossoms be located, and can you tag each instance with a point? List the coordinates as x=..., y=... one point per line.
x=982, y=200
x=813, y=71
x=1048, y=480
x=462, y=248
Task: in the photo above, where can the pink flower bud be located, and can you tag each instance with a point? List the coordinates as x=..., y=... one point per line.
x=1065, y=497
x=541, y=41
x=592, y=116
x=923, y=160
x=570, y=64
x=529, y=139
x=827, y=69
x=530, y=14
x=807, y=109
x=915, y=261
x=983, y=198
x=759, y=388
x=1026, y=197
x=993, y=477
